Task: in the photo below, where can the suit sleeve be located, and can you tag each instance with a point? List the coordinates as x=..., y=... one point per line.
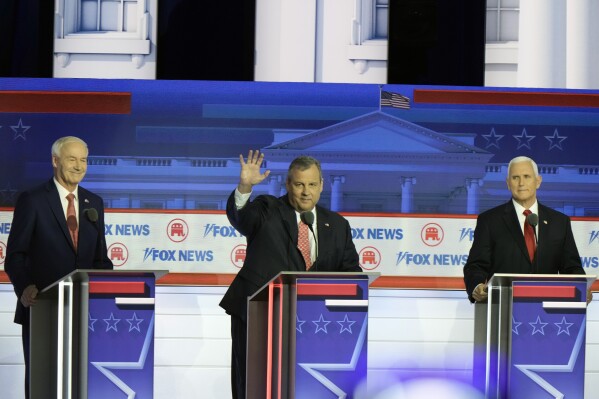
x=478, y=266
x=101, y=260
x=19, y=241
x=570, y=263
x=351, y=260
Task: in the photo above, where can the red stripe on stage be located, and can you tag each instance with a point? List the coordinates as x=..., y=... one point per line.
x=327, y=289
x=520, y=98
x=117, y=287
x=542, y=291
x=65, y=102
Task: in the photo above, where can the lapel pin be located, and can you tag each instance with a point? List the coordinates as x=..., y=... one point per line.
x=326, y=224
x=86, y=201
x=544, y=222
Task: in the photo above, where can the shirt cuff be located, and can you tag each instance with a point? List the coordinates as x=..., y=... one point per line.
x=241, y=199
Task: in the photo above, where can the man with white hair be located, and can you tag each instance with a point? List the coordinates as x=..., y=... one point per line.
x=502, y=245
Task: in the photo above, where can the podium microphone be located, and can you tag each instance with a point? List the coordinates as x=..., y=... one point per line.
x=533, y=220
x=308, y=218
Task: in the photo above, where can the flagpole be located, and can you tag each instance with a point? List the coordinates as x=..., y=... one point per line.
x=380, y=96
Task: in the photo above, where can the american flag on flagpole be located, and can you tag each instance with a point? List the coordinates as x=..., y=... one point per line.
x=395, y=100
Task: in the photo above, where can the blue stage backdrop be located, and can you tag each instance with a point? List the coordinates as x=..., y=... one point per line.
x=176, y=144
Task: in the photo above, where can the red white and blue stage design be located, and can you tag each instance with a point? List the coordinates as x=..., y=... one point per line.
x=548, y=339
x=331, y=337
x=121, y=336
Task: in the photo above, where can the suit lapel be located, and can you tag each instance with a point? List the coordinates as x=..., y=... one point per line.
x=512, y=222
x=289, y=219
x=324, y=233
x=56, y=207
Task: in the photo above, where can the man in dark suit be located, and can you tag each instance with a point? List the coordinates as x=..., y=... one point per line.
x=499, y=243
x=48, y=238
x=271, y=227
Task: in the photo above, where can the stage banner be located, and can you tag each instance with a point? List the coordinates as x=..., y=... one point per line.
x=121, y=336
x=331, y=337
x=390, y=244
x=548, y=340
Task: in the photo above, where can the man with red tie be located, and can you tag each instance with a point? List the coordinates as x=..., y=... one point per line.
x=57, y=227
x=505, y=238
x=273, y=229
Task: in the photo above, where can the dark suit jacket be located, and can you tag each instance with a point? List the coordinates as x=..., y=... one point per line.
x=270, y=227
x=499, y=246
x=40, y=250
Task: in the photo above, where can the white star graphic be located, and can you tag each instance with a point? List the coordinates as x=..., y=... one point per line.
x=321, y=324
x=104, y=367
x=556, y=141
x=563, y=326
x=346, y=324
x=312, y=368
x=538, y=326
x=298, y=324
x=134, y=322
x=529, y=369
x=91, y=322
x=524, y=139
x=492, y=139
x=515, y=325
x=20, y=130
x=111, y=323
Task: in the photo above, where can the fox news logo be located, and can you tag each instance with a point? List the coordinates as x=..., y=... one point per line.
x=215, y=230
x=173, y=255
x=593, y=236
x=466, y=233
x=413, y=259
x=126, y=229
x=376, y=234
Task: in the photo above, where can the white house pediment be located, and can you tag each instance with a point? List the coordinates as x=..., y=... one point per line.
x=377, y=132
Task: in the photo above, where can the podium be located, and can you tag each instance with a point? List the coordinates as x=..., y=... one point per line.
x=307, y=335
x=92, y=336
x=529, y=337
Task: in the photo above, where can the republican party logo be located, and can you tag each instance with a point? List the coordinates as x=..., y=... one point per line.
x=118, y=254
x=370, y=258
x=238, y=255
x=432, y=234
x=177, y=230
x=2, y=252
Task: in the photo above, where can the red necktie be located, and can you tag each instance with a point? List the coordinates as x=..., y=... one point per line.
x=303, y=243
x=72, y=219
x=529, y=236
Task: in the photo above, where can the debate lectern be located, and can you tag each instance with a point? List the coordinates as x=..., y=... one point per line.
x=92, y=336
x=529, y=338
x=307, y=335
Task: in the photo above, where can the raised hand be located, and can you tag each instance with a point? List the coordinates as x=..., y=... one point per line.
x=250, y=171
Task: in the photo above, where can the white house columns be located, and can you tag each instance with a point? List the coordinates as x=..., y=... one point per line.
x=558, y=44
x=336, y=192
x=542, y=43
x=407, y=194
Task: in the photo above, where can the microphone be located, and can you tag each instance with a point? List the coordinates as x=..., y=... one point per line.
x=92, y=214
x=308, y=219
x=533, y=220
